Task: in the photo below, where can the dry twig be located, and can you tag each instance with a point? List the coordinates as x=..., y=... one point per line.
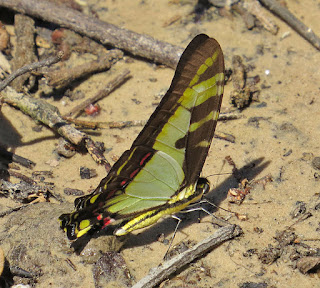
x=111, y=124
x=114, y=83
x=30, y=67
x=224, y=136
x=11, y=157
x=106, y=33
x=22, y=177
x=292, y=21
x=229, y=116
x=157, y=275
x=9, y=211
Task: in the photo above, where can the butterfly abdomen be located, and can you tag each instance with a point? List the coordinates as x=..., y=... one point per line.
x=177, y=203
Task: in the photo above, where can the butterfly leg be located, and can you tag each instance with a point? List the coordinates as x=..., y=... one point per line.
x=174, y=234
x=216, y=220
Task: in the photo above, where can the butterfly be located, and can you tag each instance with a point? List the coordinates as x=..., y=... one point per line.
x=160, y=174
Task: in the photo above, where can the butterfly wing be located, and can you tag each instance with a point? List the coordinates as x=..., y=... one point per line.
x=168, y=154
x=184, y=122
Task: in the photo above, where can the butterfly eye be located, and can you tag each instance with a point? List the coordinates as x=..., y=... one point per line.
x=203, y=186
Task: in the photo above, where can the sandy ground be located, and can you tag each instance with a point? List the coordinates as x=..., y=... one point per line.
x=281, y=141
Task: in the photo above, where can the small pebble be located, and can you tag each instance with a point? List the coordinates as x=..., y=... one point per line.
x=316, y=163
x=285, y=35
x=74, y=192
x=52, y=162
x=65, y=148
x=299, y=209
x=86, y=173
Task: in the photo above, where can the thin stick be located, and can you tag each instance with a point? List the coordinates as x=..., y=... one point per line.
x=224, y=136
x=44, y=112
x=157, y=275
x=16, y=158
x=27, y=68
x=22, y=177
x=292, y=21
x=83, y=124
x=229, y=116
x=7, y=212
x=114, y=83
x=106, y=33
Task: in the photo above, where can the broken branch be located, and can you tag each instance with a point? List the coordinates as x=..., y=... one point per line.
x=49, y=115
x=106, y=33
x=292, y=21
x=110, y=124
x=157, y=275
x=11, y=157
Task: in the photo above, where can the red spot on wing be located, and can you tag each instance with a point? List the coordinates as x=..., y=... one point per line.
x=111, y=193
x=106, y=222
x=123, y=182
x=145, y=158
x=134, y=173
x=99, y=217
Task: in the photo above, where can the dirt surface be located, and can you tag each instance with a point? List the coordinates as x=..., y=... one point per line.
x=278, y=135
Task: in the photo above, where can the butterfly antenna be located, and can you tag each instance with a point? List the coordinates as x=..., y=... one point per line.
x=204, y=200
x=218, y=174
x=216, y=220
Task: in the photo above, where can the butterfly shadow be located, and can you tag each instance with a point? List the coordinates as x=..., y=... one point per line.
x=249, y=171
x=215, y=196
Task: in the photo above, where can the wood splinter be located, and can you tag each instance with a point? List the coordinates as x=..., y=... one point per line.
x=114, y=83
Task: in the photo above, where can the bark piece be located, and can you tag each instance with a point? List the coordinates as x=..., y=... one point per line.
x=24, y=50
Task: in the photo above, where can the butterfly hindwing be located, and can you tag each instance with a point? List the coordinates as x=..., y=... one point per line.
x=159, y=174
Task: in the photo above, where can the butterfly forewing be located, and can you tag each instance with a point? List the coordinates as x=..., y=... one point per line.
x=158, y=174
x=189, y=111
